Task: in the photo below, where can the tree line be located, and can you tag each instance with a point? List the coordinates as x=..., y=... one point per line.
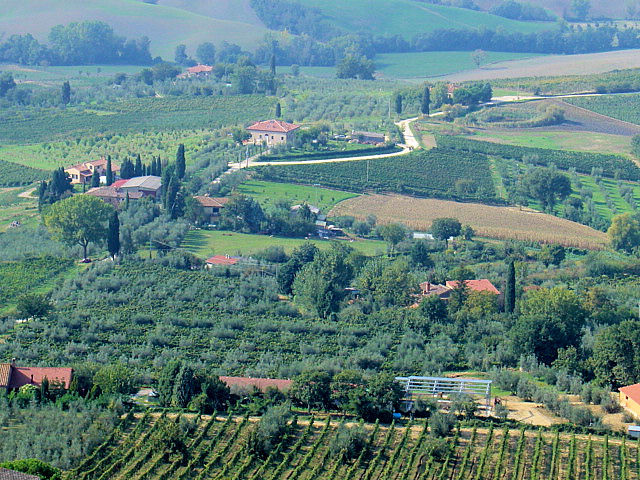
x=83, y=43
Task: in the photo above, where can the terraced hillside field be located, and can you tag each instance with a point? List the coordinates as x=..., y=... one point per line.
x=216, y=449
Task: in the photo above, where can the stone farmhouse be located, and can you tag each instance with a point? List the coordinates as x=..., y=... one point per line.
x=82, y=172
x=211, y=207
x=135, y=188
x=272, y=132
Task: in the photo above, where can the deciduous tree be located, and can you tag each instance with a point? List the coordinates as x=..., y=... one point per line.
x=78, y=220
x=624, y=232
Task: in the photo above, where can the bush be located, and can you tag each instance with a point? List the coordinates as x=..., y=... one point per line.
x=350, y=440
x=440, y=424
x=270, y=430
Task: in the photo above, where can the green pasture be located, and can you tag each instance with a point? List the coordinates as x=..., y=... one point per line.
x=433, y=64
x=206, y=243
x=267, y=192
x=78, y=76
x=558, y=140
x=165, y=26
x=408, y=18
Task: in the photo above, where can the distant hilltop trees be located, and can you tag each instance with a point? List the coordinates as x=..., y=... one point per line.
x=84, y=43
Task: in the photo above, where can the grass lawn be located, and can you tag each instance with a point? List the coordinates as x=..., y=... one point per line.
x=432, y=64
x=206, y=243
x=558, y=140
x=267, y=192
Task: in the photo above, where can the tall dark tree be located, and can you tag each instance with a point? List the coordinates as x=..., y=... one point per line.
x=66, y=93
x=510, y=289
x=138, y=169
x=181, y=56
x=127, y=169
x=426, y=101
x=180, y=162
x=109, y=173
x=113, y=235
x=278, y=110
x=95, y=178
x=272, y=64
x=158, y=167
x=398, y=103
x=42, y=194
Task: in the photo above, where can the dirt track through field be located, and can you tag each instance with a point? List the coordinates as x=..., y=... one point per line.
x=489, y=221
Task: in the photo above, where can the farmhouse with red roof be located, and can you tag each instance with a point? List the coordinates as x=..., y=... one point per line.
x=13, y=377
x=272, y=132
x=211, y=207
x=218, y=260
x=444, y=291
x=630, y=399
x=82, y=172
x=199, y=71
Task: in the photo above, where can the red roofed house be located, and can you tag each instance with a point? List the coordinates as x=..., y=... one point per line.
x=222, y=260
x=13, y=377
x=82, y=172
x=211, y=207
x=199, y=71
x=630, y=398
x=248, y=383
x=272, y=132
x=482, y=285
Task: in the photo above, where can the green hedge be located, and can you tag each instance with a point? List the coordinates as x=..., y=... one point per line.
x=356, y=152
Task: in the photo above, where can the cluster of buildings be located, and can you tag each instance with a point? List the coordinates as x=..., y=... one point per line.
x=82, y=173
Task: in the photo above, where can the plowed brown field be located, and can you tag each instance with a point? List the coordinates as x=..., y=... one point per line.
x=488, y=221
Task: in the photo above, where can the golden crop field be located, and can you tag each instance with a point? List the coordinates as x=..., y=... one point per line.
x=488, y=221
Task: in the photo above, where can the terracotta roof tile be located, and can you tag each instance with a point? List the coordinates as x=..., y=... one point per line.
x=632, y=391
x=200, y=69
x=211, y=201
x=259, y=383
x=222, y=260
x=5, y=374
x=34, y=375
x=273, y=126
x=482, y=285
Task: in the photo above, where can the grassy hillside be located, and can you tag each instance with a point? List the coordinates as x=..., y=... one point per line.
x=235, y=10
x=166, y=26
x=216, y=449
x=407, y=17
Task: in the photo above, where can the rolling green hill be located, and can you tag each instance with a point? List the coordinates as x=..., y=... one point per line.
x=166, y=26
x=408, y=17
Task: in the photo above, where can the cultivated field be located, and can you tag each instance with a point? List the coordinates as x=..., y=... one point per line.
x=557, y=64
x=429, y=64
x=215, y=449
x=206, y=243
x=622, y=107
x=487, y=221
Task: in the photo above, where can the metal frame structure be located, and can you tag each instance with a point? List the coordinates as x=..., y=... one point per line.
x=441, y=387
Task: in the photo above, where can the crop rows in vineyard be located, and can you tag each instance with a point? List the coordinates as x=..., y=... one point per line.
x=13, y=175
x=434, y=173
x=31, y=125
x=622, y=107
x=216, y=449
x=582, y=162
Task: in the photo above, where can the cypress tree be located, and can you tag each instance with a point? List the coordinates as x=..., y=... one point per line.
x=180, y=162
x=278, y=110
x=272, y=64
x=109, y=173
x=426, y=101
x=42, y=194
x=95, y=178
x=126, y=202
x=158, y=167
x=138, y=170
x=510, y=289
x=113, y=235
x=66, y=93
x=398, y=101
